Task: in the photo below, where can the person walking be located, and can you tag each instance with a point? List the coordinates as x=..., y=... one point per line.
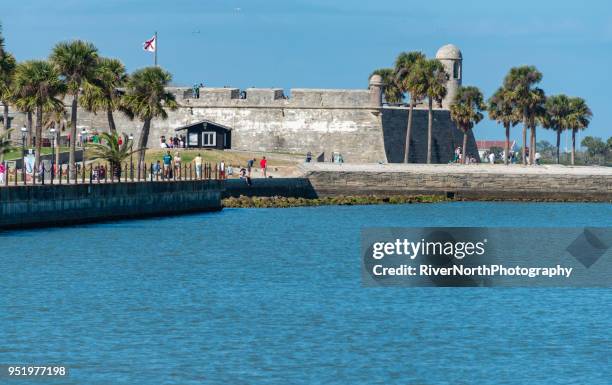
x=538, y=158
x=198, y=166
x=167, y=164
x=263, y=163
x=222, y=170
x=250, y=163
x=177, y=164
x=2, y=172
x=156, y=169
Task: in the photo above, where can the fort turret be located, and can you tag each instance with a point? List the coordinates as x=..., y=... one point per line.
x=376, y=90
x=450, y=56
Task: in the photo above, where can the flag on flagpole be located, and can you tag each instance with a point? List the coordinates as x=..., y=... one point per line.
x=150, y=45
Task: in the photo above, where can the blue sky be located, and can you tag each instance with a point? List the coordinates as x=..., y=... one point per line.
x=335, y=43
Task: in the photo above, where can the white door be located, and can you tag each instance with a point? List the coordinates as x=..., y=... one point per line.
x=209, y=139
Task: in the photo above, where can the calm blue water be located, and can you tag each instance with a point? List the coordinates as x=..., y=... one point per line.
x=274, y=296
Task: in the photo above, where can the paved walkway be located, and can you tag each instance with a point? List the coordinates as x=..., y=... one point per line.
x=459, y=168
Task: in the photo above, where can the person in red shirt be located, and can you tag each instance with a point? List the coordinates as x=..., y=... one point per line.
x=263, y=163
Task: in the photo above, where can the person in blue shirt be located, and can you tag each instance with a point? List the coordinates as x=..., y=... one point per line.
x=167, y=164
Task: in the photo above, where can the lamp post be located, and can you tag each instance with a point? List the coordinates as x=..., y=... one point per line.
x=24, y=130
x=131, y=138
x=83, y=140
x=52, y=132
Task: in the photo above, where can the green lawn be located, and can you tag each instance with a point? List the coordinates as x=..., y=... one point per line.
x=234, y=158
x=16, y=154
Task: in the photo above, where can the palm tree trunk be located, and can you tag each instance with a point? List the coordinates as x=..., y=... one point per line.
x=507, y=146
x=29, y=128
x=573, y=146
x=525, y=141
x=429, y=129
x=532, y=145
x=465, y=135
x=73, y=135
x=558, y=144
x=111, y=121
x=58, y=126
x=142, y=141
x=5, y=116
x=39, y=117
x=408, y=129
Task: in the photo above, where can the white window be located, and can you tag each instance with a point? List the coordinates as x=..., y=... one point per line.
x=193, y=139
x=209, y=139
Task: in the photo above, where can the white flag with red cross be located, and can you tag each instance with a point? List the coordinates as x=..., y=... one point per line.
x=150, y=45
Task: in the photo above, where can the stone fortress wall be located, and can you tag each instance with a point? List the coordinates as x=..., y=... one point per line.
x=352, y=122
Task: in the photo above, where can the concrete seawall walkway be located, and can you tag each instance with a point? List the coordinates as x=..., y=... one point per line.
x=482, y=168
x=481, y=181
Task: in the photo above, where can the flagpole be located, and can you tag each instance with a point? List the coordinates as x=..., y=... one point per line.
x=156, y=46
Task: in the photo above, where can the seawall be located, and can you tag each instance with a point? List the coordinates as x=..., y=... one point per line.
x=284, y=187
x=37, y=206
x=494, y=182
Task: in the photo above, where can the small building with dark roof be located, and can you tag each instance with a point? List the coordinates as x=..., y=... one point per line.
x=206, y=134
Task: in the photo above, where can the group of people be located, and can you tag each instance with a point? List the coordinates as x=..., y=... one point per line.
x=196, y=90
x=458, y=157
x=513, y=156
x=170, y=165
x=178, y=141
x=335, y=157
x=245, y=172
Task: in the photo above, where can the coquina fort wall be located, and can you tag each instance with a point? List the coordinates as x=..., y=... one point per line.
x=351, y=122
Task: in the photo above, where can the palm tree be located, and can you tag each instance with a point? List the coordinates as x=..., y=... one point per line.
x=466, y=111
x=147, y=98
x=557, y=111
x=578, y=119
x=76, y=61
x=502, y=109
x=537, y=113
x=7, y=69
x=393, y=92
x=110, y=150
x=404, y=75
x=6, y=145
x=102, y=92
x=520, y=82
x=436, y=78
x=37, y=86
